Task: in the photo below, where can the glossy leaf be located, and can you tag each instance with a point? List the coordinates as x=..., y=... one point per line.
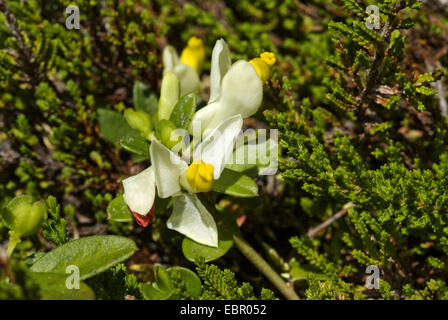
x=299, y=273
x=92, y=255
x=152, y=292
x=113, y=125
x=261, y=155
x=118, y=210
x=162, y=288
x=193, y=249
x=135, y=145
x=53, y=287
x=236, y=184
x=162, y=279
x=183, y=111
x=143, y=98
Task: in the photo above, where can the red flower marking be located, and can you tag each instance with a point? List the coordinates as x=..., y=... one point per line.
x=144, y=220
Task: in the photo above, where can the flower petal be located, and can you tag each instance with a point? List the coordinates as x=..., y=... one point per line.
x=242, y=90
x=189, y=79
x=192, y=219
x=202, y=118
x=139, y=191
x=217, y=147
x=167, y=168
x=241, y=93
x=170, y=58
x=220, y=64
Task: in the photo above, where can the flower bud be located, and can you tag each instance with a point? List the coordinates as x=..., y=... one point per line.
x=187, y=75
x=138, y=120
x=23, y=216
x=194, y=54
x=169, y=95
x=200, y=176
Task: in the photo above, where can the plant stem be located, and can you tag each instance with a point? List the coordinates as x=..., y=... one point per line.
x=312, y=232
x=246, y=249
x=14, y=240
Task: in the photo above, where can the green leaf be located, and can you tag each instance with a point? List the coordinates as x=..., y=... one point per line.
x=113, y=125
x=299, y=273
x=136, y=145
x=426, y=91
x=236, y=184
x=192, y=281
x=143, y=98
x=193, y=249
x=151, y=292
x=136, y=158
x=257, y=153
x=162, y=279
x=118, y=210
x=183, y=111
x=53, y=287
x=54, y=228
x=92, y=255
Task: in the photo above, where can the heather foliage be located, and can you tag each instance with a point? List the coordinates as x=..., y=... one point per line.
x=362, y=124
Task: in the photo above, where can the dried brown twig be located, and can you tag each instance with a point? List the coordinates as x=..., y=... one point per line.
x=313, y=231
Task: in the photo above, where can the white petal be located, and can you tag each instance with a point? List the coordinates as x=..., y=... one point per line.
x=242, y=90
x=189, y=79
x=139, y=191
x=170, y=58
x=217, y=147
x=167, y=169
x=192, y=219
x=219, y=66
x=202, y=118
x=241, y=93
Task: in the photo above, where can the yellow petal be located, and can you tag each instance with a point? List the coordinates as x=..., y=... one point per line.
x=200, y=176
x=264, y=64
x=193, y=54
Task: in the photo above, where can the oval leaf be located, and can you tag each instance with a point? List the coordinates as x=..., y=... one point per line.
x=193, y=249
x=113, y=125
x=53, y=287
x=118, y=210
x=92, y=255
x=183, y=111
x=144, y=99
x=162, y=279
x=236, y=184
x=151, y=292
x=135, y=145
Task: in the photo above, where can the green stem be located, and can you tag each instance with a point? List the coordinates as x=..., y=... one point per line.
x=14, y=240
x=246, y=249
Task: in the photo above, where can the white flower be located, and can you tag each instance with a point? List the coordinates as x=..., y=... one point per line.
x=234, y=89
x=173, y=177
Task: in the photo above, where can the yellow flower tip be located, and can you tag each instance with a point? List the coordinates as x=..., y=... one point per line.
x=264, y=64
x=200, y=176
x=268, y=58
x=193, y=54
x=195, y=42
